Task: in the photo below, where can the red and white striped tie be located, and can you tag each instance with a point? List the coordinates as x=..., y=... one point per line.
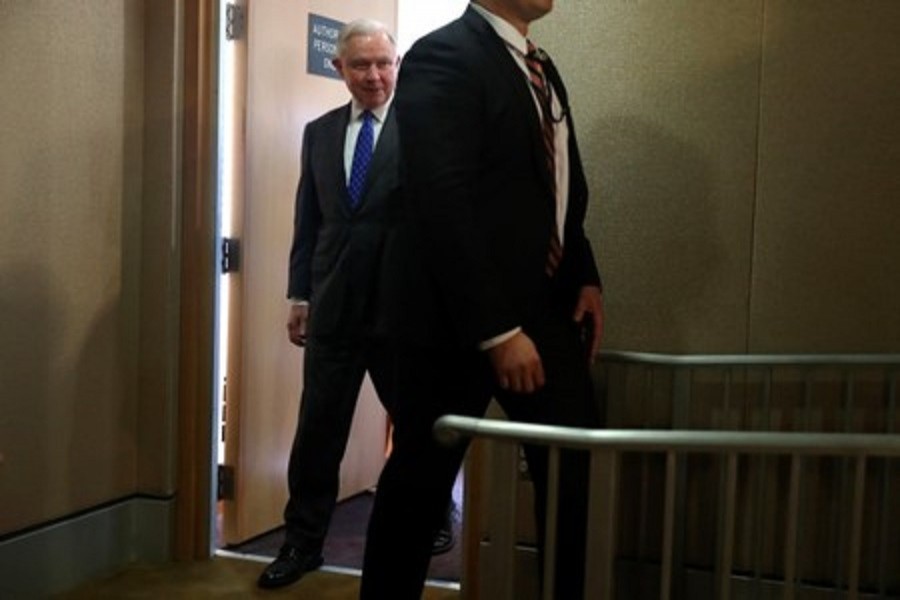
x=542, y=91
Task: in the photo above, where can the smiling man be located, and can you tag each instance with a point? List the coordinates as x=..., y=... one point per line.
x=348, y=180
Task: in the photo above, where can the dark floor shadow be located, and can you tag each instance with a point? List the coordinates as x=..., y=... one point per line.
x=346, y=540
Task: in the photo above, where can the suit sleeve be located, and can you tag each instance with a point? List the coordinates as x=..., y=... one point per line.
x=307, y=218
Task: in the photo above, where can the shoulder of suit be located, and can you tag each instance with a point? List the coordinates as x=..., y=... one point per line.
x=335, y=114
x=468, y=26
x=463, y=45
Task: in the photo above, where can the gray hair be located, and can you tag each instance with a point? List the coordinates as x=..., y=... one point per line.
x=361, y=27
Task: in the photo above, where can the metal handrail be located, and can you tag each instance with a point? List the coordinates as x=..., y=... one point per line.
x=451, y=428
x=606, y=446
x=672, y=378
x=762, y=360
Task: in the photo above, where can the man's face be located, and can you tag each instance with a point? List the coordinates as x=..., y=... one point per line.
x=369, y=68
x=532, y=10
x=519, y=12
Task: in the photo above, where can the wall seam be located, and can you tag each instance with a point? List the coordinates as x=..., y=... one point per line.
x=756, y=175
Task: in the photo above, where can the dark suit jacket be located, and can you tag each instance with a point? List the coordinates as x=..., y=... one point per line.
x=478, y=194
x=336, y=250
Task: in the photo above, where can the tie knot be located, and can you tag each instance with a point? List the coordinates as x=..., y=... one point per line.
x=366, y=116
x=534, y=53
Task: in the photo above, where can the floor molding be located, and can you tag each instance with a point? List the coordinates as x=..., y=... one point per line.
x=91, y=544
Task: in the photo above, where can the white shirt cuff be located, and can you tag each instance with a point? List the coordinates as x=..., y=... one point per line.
x=498, y=339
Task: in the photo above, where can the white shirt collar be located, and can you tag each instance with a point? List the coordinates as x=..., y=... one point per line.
x=379, y=113
x=504, y=29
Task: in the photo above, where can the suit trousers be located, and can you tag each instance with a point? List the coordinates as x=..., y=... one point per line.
x=420, y=473
x=333, y=372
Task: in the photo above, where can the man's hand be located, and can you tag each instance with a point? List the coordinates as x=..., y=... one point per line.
x=517, y=364
x=296, y=325
x=589, y=313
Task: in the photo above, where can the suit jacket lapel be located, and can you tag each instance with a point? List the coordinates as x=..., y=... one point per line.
x=516, y=81
x=333, y=146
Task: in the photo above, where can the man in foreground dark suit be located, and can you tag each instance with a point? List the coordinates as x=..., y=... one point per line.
x=493, y=282
x=348, y=184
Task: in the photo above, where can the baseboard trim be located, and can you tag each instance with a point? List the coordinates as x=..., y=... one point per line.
x=92, y=544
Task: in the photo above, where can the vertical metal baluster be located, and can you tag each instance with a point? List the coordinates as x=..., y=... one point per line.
x=646, y=398
x=810, y=427
x=842, y=479
x=665, y=591
x=550, y=522
x=726, y=396
x=721, y=507
x=847, y=397
x=681, y=411
x=856, y=524
x=807, y=400
x=643, y=506
x=760, y=484
x=790, y=536
x=642, y=558
x=503, y=507
x=681, y=398
x=600, y=552
x=726, y=537
x=883, y=510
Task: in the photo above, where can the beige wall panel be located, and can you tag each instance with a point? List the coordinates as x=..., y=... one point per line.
x=664, y=96
x=828, y=223
x=159, y=263
x=70, y=187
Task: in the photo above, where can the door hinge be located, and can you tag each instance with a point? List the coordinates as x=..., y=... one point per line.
x=231, y=255
x=235, y=21
x=225, y=483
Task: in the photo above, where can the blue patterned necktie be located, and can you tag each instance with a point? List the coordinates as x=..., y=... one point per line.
x=362, y=156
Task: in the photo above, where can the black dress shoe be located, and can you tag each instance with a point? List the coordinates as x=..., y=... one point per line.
x=290, y=566
x=444, y=539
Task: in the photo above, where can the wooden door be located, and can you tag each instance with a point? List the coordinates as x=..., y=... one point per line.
x=264, y=371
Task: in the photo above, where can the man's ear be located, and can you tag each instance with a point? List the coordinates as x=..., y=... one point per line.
x=338, y=65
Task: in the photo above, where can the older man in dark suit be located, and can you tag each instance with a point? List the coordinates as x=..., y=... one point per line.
x=348, y=184
x=494, y=284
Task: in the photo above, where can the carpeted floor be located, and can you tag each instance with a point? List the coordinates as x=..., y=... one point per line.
x=346, y=540
x=222, y=577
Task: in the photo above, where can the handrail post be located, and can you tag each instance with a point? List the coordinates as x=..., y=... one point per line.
x=551, y=518
x=890, y=392
x=669, y=528
x=600, y=550
x=681, y=419
x=856, y=525
x=792, y=529
x=726, y=537
x=502, y=508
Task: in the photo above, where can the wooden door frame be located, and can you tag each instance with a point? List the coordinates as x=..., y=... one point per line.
x=192, y=535
x=192, y=532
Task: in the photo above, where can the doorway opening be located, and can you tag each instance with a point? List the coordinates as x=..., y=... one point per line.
x=257, y=79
